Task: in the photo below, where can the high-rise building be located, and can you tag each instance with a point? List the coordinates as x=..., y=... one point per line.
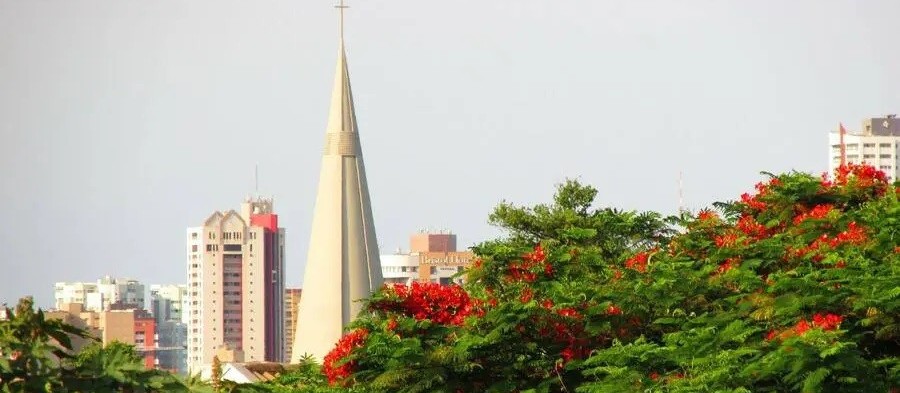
x=291, y=302
x=877, y=144
x=342, y=266
x=432, y=257
x=167, y=303
x=235, y=285
x=100, y=295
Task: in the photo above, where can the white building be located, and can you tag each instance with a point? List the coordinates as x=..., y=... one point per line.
x=168, y=301
x=73, y=292
x=876, y=144
x=98, y=296
x=235, y=265
x=400, y=267
x=121, y=290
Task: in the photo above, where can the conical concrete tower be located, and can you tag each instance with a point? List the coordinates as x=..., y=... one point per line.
x=343, y=265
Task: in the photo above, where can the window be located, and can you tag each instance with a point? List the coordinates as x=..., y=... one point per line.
x=852, y=147
x=232, y=247
x=868, y=145
x=885, y=145
x=194, y=248
x=885, y=156
x=868, y=156
x=209, y=247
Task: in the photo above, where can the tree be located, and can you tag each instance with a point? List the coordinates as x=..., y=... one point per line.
x=791, y=288
x=31, y=347
x=36, y=356
x=115, y=367
x=216, y=374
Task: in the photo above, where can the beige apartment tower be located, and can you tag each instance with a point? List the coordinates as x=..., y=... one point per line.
x=342, y=266
x=235, y=285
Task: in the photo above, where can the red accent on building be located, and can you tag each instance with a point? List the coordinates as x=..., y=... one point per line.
x=273, y=296
x=268, y=221
x=145, y=329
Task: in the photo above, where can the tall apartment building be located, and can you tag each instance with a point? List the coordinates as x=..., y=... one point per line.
x=291, y=302
x=877, y=143
x=235, y=285
x=167, y=303
x=100, y=295
x=432, y=257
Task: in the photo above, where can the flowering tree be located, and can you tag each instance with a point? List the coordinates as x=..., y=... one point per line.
x=791, y=288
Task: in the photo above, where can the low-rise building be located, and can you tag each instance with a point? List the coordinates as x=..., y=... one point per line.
x=432, y=257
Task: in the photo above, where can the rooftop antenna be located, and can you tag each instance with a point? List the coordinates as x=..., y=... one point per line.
x=256, y=178
x=680, y=192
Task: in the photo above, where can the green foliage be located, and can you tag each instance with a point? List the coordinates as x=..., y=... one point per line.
x=791, y=289
x=36, y=356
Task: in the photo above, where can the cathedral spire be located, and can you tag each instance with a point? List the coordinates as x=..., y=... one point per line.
x=343, y=266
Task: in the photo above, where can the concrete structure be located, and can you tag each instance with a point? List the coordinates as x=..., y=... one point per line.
x=131, y=326
x=878, y=144
x=342, y=266
x=432, y=258
x=100, y=295
x=236, y=285
x=167, y=303
x=291, y=303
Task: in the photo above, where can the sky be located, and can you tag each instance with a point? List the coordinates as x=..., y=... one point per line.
x=122, y=123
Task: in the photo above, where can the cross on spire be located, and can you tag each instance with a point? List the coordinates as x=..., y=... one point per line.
x=341, y=7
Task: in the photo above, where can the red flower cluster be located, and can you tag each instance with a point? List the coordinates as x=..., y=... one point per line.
x=727, y=240
x=825, y=322
x=853, y=235
x=638, y=262
x=729, y=264
x=335, y=366
x=865, y=175
x=762, y=189
x=613, y=310
x=748, y=225
x=444, y=304
x=818, y=212
x=523, y=271
x=707, y=215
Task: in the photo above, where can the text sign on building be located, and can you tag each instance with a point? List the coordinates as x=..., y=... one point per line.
x=456, y=258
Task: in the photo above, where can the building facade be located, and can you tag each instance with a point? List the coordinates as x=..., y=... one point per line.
x=235, y=285
x=291, y=302
x=100, y=295
x=168, y=303
x=877, y=144
x=121, y=323
x=432, y=257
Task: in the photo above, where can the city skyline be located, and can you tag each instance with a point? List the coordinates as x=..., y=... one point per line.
x=105, y=110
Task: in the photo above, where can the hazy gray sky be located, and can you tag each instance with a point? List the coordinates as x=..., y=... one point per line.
x=124, y=122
